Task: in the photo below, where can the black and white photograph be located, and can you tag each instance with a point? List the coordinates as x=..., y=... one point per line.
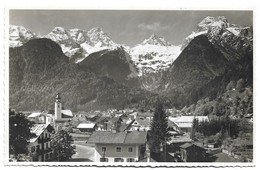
x=130, y=86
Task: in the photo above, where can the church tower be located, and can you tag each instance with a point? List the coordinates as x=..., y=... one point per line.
x=58, y=107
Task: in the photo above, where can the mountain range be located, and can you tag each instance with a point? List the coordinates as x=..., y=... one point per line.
x=93, y=72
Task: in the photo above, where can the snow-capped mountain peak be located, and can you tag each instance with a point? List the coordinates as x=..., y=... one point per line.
x=96, y=30
x=155, y=40
x=219, y=21
x=59, y=30
x=58, y=34
x=80, y=36
x=99, y=38
x=154, y=54
x=215, y=28
x=19, y=35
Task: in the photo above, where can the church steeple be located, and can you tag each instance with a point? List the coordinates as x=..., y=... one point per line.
x=58, y=107
x=58, y=98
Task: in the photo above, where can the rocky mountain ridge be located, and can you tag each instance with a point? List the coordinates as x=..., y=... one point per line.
x=152, y=55
x=119, y=77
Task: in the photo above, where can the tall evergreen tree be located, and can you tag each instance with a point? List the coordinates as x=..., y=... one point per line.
x=19, y=134
x=195, y=127
x=159, y=129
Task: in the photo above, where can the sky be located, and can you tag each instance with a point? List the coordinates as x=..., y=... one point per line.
x=129, y=27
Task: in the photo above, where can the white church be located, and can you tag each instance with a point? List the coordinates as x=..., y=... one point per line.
x=58, y=115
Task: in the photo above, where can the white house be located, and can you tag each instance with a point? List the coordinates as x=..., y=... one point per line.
x=118, y=147
x=40, y=146
x=141, y=124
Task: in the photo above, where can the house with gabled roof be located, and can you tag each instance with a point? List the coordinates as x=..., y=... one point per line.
x=40, y=145
x=185, y=122
x=191, y=152
x=86, y=127
x=118, y=146
x=141, y=124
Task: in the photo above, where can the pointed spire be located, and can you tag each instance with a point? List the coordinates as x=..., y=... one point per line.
x=58, y=96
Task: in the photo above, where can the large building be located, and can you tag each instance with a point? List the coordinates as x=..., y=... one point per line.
x=119, y=146
x=184, y=123
x=60, y=114
x=52, y=116
x=40, y=146
x=41, y=117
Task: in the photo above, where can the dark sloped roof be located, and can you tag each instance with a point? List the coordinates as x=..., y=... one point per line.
x=108, y=137
x=188, y=145
x=38, y=129
x=136, y=137
x=102, y=119
x=116, y=119
x=122, y=128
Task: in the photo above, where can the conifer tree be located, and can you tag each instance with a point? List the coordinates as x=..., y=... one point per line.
x=159, y=128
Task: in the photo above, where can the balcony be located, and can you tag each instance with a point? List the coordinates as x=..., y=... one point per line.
x=41, y=151
x=43, y=140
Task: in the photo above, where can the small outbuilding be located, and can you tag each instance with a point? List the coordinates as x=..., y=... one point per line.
x=86, y=127
x=192, y=153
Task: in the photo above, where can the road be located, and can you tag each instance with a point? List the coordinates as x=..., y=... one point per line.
x=84, y=153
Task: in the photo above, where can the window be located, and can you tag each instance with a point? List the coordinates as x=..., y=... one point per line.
x=130, y=149
x=119, y=160
x=118, y=149
x=47, y=156
x=130, y=159
x=103, y=159
x=33, y=149
x=103, y=149
x=50, y=155
x=47, y=145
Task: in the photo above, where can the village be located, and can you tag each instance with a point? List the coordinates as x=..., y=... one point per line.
x=123, y=136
